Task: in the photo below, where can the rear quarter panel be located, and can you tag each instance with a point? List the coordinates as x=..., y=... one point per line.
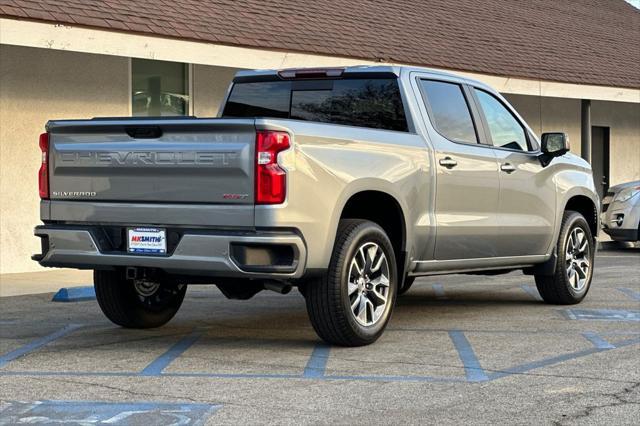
x=328, y=164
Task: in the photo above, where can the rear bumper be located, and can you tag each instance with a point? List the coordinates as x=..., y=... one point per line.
x=262, y=254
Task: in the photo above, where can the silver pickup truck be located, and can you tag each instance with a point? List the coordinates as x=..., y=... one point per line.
x=347, y=183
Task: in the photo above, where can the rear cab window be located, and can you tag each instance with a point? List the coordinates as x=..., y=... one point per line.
x=364, y=102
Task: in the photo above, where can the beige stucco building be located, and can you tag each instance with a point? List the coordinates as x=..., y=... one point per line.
x=51, y=71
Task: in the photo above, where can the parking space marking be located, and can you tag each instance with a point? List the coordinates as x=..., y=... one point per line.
x=601, y=314
x=317, y=364
x=37, y=344
x=70, y=373
x=597, y=341
x=438, y=289
x=157, y=366
x=531, y=291
x=236, y=375
x=499, y=331
x=635, y=295
x=546, y=362
x=399, y=379
x=94, y=412
x=472, y=368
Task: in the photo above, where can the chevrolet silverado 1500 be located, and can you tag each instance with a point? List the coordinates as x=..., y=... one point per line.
x=347, y=183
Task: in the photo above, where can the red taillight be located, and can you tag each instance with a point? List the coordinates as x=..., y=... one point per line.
x=271, y=180
x=43, y=174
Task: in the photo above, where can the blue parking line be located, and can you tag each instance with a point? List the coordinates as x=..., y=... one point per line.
x=159, y=364
x=235, y=375
x=523, y=368
x=438, y=289
x=399, y=379
x=474, y=372
x=36, y=344
x=546, y=362
x=317, y=364
x=597, y=341
x=602, y=314
x=635, y=295
x=472, y=368
x=532, y=291
x=70, y=373
x=74, y=294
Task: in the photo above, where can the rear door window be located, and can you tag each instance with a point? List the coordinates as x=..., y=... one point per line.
x=449, y=111
x=373, y=103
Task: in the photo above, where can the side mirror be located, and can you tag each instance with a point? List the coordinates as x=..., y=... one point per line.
x=553, y=145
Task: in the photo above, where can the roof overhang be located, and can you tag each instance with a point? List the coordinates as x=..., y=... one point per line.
x=102, y=42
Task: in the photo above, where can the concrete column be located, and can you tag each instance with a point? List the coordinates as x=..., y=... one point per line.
x=585, y=148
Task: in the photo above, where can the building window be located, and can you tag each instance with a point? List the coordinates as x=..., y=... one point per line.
x=159, y=88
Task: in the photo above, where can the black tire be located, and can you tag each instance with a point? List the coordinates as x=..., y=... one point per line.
x=406, y=285
x=327, y=298
x=557, y=289
x=126, y=307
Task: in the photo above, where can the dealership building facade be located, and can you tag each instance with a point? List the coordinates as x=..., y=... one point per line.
x=68, y=59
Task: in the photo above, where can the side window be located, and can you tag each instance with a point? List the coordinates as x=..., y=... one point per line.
x=506, y=131
x=449, y=111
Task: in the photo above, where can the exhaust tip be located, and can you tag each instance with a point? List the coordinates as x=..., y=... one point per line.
x=277, y=286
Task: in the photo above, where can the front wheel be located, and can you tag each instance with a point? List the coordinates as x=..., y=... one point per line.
x=351, y=304
x=137, y=303
x=575, y=250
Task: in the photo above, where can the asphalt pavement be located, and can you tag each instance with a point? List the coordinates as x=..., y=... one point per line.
x=459, y=349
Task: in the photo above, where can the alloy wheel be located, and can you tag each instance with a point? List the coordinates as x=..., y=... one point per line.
x=368, y=284
x=577, y=259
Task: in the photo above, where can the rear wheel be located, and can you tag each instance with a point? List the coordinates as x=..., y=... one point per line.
x=575, y=249
x=137, y=303
x=351, y=304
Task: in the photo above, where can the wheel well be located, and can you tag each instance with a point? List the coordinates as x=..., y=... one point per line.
x=586, y=208
x=383, y=209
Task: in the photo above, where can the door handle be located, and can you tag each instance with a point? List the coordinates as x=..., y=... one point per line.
x=507, y=168
x=448, y=162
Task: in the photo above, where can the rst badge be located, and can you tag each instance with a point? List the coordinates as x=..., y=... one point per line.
x=146, y=240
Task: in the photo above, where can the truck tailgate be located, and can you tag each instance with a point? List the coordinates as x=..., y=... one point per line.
x=207, y=162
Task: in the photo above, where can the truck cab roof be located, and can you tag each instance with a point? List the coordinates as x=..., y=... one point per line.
x=351, y=71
